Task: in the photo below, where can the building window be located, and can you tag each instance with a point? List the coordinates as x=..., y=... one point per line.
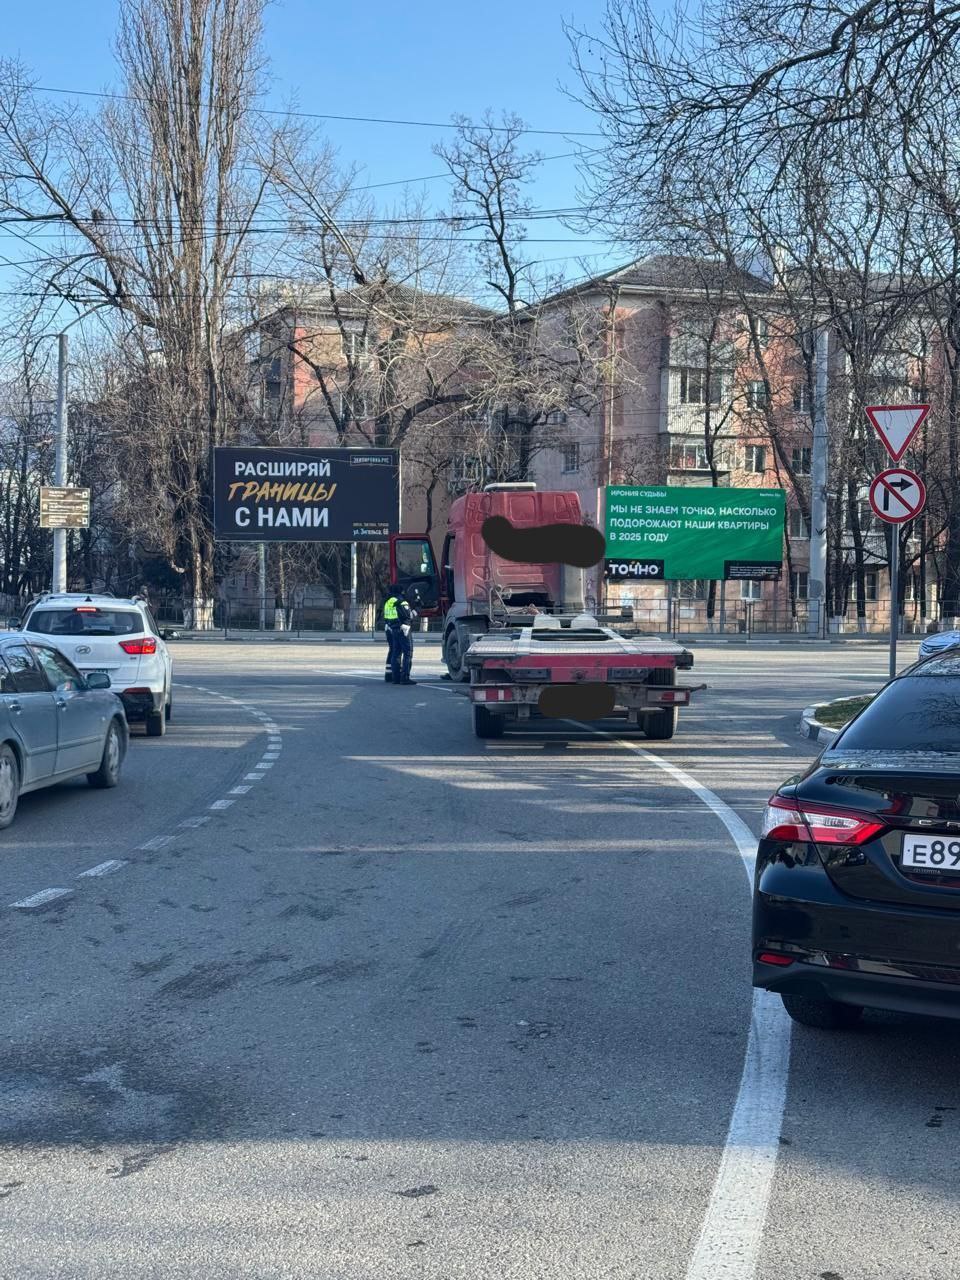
x=692, y=590
x=763, y=331
x=797, y=526
x=570, y=453
x=355, y=405
x=801, y=584
x=756, y=395
x=871, y=583
x=751, y=589
x=755, y=458
x=801, y=460
x=693, y=386
x=556, y=418
x=801, y=397
x=353, y=344
x=688, y=457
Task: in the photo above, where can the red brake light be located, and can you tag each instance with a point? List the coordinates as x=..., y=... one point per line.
x=774, y=957
x=784, y=819
x=85, y=608
x=139, y=647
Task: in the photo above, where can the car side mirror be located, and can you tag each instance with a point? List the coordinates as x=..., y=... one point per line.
x=13, y=624
x=98, y=680
x=166, y=633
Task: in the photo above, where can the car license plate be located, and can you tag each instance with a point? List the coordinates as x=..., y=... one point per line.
x=930, y=853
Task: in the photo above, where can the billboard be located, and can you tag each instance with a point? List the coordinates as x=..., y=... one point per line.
x=305, y=495
x=657, y=532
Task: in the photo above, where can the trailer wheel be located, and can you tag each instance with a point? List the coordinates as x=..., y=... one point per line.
x=486, y=724
x=453, y=655
x=661, y=725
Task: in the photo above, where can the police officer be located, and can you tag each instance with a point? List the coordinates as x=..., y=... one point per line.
x=398, y=619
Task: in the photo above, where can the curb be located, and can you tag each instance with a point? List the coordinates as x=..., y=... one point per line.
x=810, y=726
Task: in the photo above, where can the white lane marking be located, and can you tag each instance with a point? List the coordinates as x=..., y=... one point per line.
x=158, y=842
x=264, y=764
x=103, y=868
x=188, y=824
x=732, y=1229
x=42, y=898
x=238, y=791
x=271, y=755
x=253, y=777
x=222, y=804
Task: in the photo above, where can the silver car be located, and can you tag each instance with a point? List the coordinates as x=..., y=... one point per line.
x=55, y=723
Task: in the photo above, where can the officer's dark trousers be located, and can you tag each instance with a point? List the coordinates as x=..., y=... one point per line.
x=402, y=655
x=388, y=668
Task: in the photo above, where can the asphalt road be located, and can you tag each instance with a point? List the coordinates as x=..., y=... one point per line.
x=365, y=997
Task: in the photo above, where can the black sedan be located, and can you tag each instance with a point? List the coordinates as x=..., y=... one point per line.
x=857, y=887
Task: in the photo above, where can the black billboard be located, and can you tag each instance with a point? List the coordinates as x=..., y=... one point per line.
x=305, y=495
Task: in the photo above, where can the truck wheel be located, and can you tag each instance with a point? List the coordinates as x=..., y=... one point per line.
x=486, y=724
x=453, y=655
x=661, y=725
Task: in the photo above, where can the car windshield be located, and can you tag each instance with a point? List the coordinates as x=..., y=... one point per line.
x=919, y=712
x=85, y=620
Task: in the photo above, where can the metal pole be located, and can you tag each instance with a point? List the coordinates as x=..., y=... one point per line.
x=723, y=604
x=60, y=465
x=352, y=622
x=894, y=597
x=817, y=582
x=262, y=567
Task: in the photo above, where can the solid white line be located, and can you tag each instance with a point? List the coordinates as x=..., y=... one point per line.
x=732, y=1229
x=42, y=898
x=103, y=868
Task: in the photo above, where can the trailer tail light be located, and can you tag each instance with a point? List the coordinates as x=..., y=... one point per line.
x=138, y=648
x=785, y=819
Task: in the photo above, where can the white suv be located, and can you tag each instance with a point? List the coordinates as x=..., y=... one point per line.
x=119, y=637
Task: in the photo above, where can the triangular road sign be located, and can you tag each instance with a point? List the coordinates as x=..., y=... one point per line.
x=896, y=425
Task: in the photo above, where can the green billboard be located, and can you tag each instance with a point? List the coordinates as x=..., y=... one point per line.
x=668, y=532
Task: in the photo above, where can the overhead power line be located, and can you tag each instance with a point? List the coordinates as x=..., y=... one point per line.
x=328, y=115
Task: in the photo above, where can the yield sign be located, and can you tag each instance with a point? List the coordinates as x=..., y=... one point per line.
x=897, y=424
x=897, y=495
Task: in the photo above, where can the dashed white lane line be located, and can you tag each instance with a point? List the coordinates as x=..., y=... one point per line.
x=103, y=868
x=274, y=745
x=41, y=899
x=730, y=1237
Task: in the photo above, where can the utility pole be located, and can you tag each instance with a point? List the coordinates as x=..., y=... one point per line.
x=262, y=574
x=817, y=584
x=352, y=621
x=59, y=582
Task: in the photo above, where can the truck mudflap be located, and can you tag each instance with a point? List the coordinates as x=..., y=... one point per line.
x=631, y=697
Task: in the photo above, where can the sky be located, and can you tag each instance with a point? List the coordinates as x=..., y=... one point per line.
x=425, y=60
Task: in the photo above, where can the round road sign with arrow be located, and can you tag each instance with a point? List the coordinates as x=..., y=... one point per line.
x=897, y=495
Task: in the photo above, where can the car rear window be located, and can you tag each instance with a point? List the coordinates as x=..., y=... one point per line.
x=915, y=713
x=85, y=621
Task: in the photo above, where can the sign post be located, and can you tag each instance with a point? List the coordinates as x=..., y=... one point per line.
x=896, y=496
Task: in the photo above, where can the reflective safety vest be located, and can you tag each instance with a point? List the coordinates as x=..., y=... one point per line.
x=390, y=610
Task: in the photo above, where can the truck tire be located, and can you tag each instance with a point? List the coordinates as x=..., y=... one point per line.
x=660, y=726
x=455, y=644
x=486, y=724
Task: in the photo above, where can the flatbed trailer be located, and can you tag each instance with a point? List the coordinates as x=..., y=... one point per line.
x=510, y=671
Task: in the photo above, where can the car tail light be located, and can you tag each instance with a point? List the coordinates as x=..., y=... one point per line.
x=775, y=957
x=85, y=608
x=788, y=820
x=145, y=645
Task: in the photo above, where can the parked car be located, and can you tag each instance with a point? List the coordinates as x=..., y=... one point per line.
x=55, y=723
x=118, y=637
x=938, y=641
x=857, y=889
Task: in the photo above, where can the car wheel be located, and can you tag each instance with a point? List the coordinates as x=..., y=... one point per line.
x=156, y=723
x=826, y=1015
x=453, y=655
x=108, y=775
x=9, y=784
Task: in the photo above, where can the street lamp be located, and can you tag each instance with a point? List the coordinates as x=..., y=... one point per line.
x=60, y=464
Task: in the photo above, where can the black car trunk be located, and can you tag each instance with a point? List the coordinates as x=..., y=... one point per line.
x=913, y=795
